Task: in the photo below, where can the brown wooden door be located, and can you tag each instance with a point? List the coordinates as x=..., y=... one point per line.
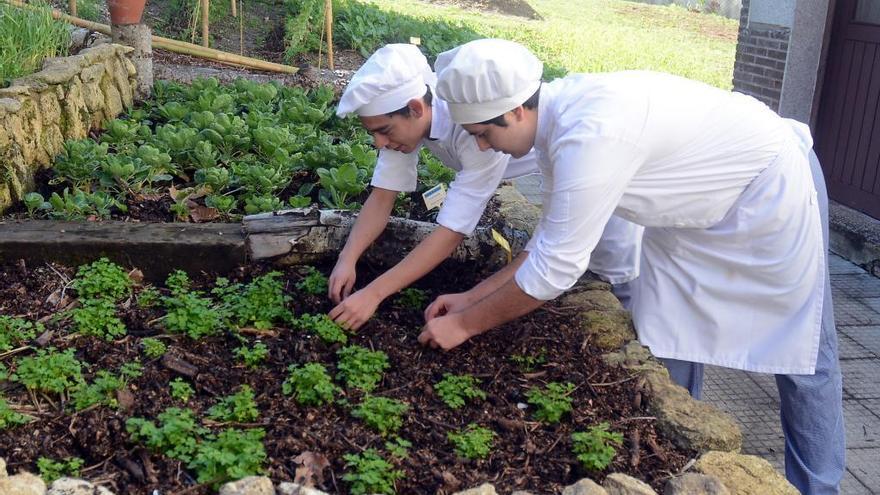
x=848, y=127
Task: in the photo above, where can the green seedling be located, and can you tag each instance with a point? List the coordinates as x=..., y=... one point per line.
x=309, y=384
x=381, y=413
x=314, y=282
x=323, y=327
x=369, y=473
x=474, y=442
x=254, y=356
x=456, y=390
x=596, y=447
x=239, y=407
x=51, y=470
x=181, y=390
x=552, y=402
x=360, y=367
x=153, y=348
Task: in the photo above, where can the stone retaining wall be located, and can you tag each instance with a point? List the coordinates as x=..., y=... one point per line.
x=67, y=98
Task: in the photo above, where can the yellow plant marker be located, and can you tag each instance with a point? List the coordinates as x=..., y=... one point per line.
x=503, y=243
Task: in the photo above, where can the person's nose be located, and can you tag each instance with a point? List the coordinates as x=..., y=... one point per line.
x=380, y=141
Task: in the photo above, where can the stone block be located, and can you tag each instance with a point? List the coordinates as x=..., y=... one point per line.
x=585, y=486
x=252, y=485
x=744, y=474
x=621, y=484
x=695, y=484
x=22, y=484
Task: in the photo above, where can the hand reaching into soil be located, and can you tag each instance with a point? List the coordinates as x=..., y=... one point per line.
x=444, y=332
x=341, y=281
x=355, y=309
x=448, y=303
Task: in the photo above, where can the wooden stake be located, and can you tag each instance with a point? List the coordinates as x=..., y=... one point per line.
x=240, y=29
x=234, y=12
x=174, y=45
x=72, y=4
x=205, y=7
x=328, y=25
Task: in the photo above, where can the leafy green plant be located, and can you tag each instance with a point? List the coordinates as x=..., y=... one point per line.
x=181, y=390
x=412, y=298
x=360, y=367
x=34, y=201
x=341, y=184
x=153, y=348
x=252, y=356
x=314, y=282
x=261, y=303
x=79, y=205
x=381, y=413
x=97, y=317
x=552, y=402
x=102, y=279
x=297, y=201
x=16, y=331
x=323, y=327
x=528, y=362
x=51, y=470
x=595, y=448
x=148, y=298
x=455, y=390
x=398, y=447
x=101, y=391
x=187, y=311
x=239, y=407
x=369, y=473
x=9, y=418
x=50, y=371
x=310, y=384
x=177, y=436
x=231, y=455
x=474, y=442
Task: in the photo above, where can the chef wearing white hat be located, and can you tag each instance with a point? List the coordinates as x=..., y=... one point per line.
x=733, y=268
x=392, y=95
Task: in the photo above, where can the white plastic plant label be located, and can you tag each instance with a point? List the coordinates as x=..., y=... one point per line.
x=434, y=197
x=415, y=40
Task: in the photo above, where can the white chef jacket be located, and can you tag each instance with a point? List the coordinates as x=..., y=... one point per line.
x=732, y=267
x=477, y=172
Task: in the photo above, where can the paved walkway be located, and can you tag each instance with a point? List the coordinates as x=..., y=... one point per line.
x=753, y=400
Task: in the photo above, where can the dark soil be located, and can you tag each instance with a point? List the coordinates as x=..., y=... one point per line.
x=526, y=455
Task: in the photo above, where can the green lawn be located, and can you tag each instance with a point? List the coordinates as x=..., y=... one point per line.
x=605, y=35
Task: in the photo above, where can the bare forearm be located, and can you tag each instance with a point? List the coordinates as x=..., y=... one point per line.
x=497, y=279
x=425, y=257
x=371, y=221
x=499, y=307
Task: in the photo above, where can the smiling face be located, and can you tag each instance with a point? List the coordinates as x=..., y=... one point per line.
x=515, y=139
x=400, y=132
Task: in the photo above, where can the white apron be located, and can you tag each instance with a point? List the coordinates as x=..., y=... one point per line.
x=747, y=292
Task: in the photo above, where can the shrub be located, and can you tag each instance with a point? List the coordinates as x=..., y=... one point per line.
x=310, y=384
x=552, y=402
x=381, y=413
x=474, y=442
x=369, y=473
x=455, y=390
x=595, y=448
x=360, y=367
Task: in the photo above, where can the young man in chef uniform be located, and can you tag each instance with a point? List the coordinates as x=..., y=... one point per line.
x=392, y=95
x=733, y=268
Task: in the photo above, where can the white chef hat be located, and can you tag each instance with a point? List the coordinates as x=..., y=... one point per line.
x=485, y=78
x=388, y=80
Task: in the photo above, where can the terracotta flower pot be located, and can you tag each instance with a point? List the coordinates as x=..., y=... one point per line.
x=126, y=11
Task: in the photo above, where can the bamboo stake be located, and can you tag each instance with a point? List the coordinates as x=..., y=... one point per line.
x=328, y=25
x=72, y=6
x=240, y=29
x=175, y=45
x=234, y=13
x=205, y=7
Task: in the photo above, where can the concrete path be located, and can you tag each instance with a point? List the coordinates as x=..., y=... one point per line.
x=753, y=400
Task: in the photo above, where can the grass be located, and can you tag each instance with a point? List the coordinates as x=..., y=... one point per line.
x=26, y=38
x=601, y=35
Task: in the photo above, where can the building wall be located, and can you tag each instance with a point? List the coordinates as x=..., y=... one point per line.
x=762, y=50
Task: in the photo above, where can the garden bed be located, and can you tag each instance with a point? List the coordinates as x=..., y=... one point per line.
x=548, y=346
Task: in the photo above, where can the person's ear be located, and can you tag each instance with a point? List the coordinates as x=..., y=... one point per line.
x=416, y=107
x=518, y=113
